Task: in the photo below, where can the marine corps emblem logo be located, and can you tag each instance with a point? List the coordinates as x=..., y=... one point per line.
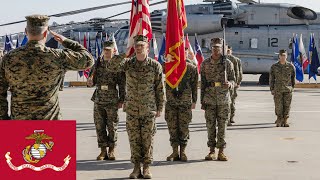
x=33, y=154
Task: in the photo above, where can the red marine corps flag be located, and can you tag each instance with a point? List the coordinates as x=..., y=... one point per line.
x=140, y=23
x=176, y=61
x=38, y=150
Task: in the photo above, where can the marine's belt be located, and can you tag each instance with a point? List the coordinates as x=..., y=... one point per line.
x=214, y=84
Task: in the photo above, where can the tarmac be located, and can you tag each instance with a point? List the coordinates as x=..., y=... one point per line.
x=257, y=150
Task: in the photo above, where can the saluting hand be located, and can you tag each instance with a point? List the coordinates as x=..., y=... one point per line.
x=58, y=37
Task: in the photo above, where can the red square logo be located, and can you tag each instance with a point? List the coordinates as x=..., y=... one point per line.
x=38, y=149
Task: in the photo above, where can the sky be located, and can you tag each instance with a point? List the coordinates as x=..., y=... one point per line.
x=15, y=10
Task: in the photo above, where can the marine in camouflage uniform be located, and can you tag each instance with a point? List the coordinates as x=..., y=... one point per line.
x=144, y=102
x=33, y=73
x=217, y=78
x=108, y=97
x=282, y=81
x=238, y=74
x=178, y=111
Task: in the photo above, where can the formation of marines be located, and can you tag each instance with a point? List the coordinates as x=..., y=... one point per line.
x=33, y=74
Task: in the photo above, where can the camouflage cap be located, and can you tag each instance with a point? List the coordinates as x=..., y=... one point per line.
x=37, y=20
x=282, y=51
x=140, y=39
x=108, y=45
x=216, y=42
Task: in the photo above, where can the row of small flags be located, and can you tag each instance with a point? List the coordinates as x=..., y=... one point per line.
x=8, y=46
x=302, y=61
x=98, y=48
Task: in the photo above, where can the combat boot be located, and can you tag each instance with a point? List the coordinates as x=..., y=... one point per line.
x=221, y=156
x=285, y=122
x=175, y=154
x=183, y=156
x=136, y=173
x=111, y=155
x=278, y=122
x=146, y=171
x=103, y=154
x=211, y=156
x=231, y=120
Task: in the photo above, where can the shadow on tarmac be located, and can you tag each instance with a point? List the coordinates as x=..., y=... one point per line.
x=94, y=165
x=193, y=127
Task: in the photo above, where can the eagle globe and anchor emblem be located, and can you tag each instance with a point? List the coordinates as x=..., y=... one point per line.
x=39, y=149
x=34, y=153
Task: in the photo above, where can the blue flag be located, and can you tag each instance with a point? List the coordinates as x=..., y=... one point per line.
x=8, y=46
x=52, y=43
x=102, y=39
x=295, y=58
x=162, y=51
x=311, y=49
x=315, y=64
x=24, y=41
x=17, y=43
x=97, y=47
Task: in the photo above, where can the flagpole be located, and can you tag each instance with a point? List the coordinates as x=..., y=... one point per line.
x=224, y=22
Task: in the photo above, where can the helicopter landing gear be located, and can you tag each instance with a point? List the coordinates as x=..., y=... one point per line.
x=264, y=79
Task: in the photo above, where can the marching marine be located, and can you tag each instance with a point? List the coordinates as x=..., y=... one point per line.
x=108, y=98
x=217, y=78
x=282, y=81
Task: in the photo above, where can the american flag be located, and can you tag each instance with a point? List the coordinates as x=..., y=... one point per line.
x=191, y=55
x=139, y=22
x=199, y=55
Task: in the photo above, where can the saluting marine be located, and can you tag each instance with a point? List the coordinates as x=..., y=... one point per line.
x=282, y=81
x=217, y=78
x=33, y=73
x=108, y=98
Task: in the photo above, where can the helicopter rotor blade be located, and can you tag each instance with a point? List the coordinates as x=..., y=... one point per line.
x=153, y=4
x=88, y=9
x=74, y=12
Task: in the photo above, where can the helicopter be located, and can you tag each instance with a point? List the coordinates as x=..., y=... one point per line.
x=93, y=28
x=255, y=31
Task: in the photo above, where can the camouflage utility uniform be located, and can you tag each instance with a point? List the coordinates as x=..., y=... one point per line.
x=234, y=94
x=144, y=96
x=110, y=91
x=178, y=112
x=33, y=73
x=215, y=99
x=282, y=81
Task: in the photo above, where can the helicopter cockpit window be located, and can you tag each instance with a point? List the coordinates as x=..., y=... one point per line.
x=204, y=46
x=203, y=10
x=122, y=37
x=254, y=43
